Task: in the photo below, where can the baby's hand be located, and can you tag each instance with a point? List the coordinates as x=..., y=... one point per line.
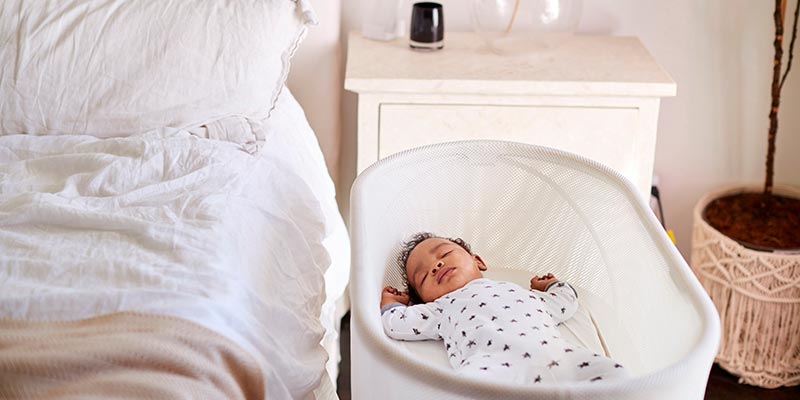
x=540, y=282
x=391, y=295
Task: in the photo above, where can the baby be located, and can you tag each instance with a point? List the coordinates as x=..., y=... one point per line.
x=489, y=328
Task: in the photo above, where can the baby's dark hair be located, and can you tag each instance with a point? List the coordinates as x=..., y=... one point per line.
x=409, y=246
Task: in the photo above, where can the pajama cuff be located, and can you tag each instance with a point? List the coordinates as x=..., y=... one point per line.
x=559, y=284
x=390, y=306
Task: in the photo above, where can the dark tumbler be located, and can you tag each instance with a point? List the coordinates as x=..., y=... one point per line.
x=427, y=26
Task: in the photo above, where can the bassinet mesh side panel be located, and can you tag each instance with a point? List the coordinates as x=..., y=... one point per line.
x=535, y=209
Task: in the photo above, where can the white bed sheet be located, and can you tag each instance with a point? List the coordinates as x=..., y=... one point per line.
x=173, y=224
x=289, y=117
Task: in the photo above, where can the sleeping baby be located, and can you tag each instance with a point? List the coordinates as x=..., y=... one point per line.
x=489, y=328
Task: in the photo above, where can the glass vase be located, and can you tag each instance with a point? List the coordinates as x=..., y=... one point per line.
x=525, y=26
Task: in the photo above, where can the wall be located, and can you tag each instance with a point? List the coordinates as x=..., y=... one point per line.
x=714, y=132
x=316, y=79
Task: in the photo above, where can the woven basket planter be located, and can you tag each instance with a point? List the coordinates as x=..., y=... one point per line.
x=757, y=294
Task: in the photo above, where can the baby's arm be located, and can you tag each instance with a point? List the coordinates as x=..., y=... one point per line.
x=417, y=322
x=560, y=297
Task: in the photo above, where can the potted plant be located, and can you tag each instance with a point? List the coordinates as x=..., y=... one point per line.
x=746, y=253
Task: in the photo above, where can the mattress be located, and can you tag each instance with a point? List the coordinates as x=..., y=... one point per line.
x=250, y=247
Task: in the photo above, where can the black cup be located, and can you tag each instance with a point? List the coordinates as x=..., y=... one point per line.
x=427, y=26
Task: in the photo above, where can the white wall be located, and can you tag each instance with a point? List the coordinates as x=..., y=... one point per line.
x=316, y=79
x=714, y=132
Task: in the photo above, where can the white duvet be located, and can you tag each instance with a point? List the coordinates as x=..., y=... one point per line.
x=173, y=224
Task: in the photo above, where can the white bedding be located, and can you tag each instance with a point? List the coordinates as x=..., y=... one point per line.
x=290, y=118
x=116, y=68
x=173, y=224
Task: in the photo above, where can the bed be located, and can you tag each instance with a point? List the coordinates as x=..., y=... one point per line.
x=154, y=247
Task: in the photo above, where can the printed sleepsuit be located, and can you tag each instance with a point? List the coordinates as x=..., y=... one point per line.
x=499, y=329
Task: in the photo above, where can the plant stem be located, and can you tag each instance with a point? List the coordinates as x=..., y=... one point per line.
x=791, y=44
x=776, y=96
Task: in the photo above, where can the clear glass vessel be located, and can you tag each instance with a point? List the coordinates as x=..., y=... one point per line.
x=525, y=26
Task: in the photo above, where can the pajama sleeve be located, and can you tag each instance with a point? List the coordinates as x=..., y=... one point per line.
x=417, y=322
x=562, y=300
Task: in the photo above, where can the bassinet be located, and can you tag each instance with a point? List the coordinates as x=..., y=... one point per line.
x=529, y=208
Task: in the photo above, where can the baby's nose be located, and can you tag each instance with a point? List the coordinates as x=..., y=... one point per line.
x=438, y=266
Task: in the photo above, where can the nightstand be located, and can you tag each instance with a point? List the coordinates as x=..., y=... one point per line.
x=597, y=96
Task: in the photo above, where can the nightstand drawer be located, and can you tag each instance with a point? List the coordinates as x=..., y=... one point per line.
x=604, y=134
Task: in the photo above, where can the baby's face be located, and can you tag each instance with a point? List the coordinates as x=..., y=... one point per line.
x=438, y=266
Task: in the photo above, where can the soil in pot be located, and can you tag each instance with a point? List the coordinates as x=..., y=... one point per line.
x=756, y=220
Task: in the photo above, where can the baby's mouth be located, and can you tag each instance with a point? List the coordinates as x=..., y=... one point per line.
x=444, y=272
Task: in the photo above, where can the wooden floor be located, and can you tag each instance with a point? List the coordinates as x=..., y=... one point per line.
x=721, y=385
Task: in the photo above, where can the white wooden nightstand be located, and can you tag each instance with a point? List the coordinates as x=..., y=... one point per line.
x=597, y=96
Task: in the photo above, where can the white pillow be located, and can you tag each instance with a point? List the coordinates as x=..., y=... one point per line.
x=117, y=67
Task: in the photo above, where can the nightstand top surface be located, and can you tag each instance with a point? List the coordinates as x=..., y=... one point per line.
x=584, y=65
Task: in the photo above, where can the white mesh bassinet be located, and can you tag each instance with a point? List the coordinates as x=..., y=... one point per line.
x=529, y=208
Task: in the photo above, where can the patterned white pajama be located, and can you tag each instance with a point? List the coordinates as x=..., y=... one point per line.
x=502, y=330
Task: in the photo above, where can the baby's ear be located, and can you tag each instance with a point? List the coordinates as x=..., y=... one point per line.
x=481, y=265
